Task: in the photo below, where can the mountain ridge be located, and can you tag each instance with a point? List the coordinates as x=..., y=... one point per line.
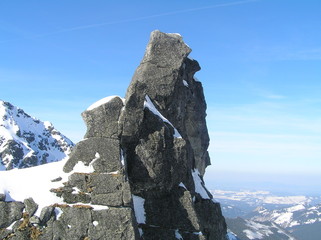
x=26, y=141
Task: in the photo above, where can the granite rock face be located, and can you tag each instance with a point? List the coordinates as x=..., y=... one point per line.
x=138, y=172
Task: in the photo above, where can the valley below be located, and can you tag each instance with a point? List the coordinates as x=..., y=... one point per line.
x=267, y=215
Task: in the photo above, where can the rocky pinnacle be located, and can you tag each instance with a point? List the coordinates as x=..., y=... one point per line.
x=143, y=157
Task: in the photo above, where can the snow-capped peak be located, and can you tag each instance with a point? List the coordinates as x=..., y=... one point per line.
x=26, y=141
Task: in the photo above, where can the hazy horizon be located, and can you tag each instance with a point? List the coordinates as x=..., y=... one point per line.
x=279, y=184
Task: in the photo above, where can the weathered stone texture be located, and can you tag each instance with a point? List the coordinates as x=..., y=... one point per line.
x=31, y=206
x=103, y=120
x=85, y=151
x=147, y=146
x=10, y=212
x=2, y=197
x=164, y=137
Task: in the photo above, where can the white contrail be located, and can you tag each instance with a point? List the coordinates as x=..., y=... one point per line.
x=157, y=15
x=136, y=19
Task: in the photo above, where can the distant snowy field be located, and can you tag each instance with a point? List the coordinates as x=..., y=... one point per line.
x=261, y=197
x=35, y=182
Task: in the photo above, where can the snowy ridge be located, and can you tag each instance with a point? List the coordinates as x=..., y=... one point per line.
x=251, y=230
x=101, y=102
x=292, y=216
x=26, y=141
x=262, y=206
x=256, y=230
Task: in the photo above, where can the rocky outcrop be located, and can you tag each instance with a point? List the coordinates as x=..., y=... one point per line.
x=165, y=77
x=138, y=172
x=164, y=138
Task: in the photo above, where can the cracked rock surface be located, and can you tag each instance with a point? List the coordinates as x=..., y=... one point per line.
x=146, y=157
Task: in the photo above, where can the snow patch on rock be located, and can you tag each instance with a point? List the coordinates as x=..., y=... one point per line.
x=139, y=209
x=101, y=102
x=199, y=186
x=149, y=104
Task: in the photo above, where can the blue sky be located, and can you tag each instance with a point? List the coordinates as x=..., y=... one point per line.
x=260, y=71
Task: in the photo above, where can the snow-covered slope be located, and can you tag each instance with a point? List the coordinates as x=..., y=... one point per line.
x=34, y=182
x=26, y=141
x=299, y=216
x=37, y=183
x=292, y=216
x=252, y=230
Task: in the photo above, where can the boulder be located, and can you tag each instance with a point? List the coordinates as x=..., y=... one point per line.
x=102, y=121
x=31, y=206
x=10, y=212
x=45, y=215
x=2, y=197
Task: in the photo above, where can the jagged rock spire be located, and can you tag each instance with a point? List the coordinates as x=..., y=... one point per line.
x=138, y=174
x=164, y=138
x=166, y=76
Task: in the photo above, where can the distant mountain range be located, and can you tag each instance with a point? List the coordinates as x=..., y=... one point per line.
x=263, y=215
x=243, y=229
x=301, y=220
x=290, y=217
x=26, y=141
